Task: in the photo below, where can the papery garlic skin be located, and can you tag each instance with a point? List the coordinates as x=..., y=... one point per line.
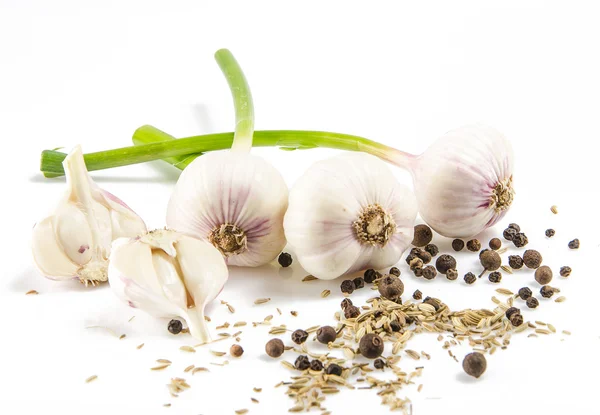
x=74, y=241
x=236, y=201
x=349, y=213
x=463, y=182
x=168, y=274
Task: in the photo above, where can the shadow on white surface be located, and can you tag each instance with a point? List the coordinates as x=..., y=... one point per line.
x=31, y=279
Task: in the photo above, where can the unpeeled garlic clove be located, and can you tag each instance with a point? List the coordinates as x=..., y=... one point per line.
x=74, y=241
x=168, y=274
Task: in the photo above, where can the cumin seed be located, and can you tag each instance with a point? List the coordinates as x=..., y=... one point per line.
x=261, y=301
x=325, y=293
x=31, y=292
x=91, y=379
x=189, y=349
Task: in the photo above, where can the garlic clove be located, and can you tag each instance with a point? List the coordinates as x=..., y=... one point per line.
x=73, y=234
x=49, y=257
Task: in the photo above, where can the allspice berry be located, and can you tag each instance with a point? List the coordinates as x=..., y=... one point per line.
x=302, y=362
x=444, y=263
x=474, y=364
x=370, y=275
x=565, y=271
x=495, y=244
x=546, y=291
x=429, y=272
x=415, y=263
x=423, y=255
x=470, y=278
x=516, y=319
x=509, y=234
x=452, y=274
x=423, y=235
x=532, y=259
x=358, y=283
x=394, y=271
x=512, y=310
x=334, y=369
x=347, y=286
x=550, y=233
x=520, y=240
x=473, y=245
x=175, y=327
x=351, y=312
x=236, y=350
x=514, y=226
x=285, y=259
x=458, y=244
x=371, y=346
x=299, y=336
x=543, y=275
x=379, y=364
x=326, y=334
x=525, y=293
x=574, y=244
x=346, y=302
x=495, y=277
x=532, y=302
x=316, y=365
x=391, y=288
x=515, y=261
x=274, y=348
x=432, y=249
x=417, y=295
x=490, y=260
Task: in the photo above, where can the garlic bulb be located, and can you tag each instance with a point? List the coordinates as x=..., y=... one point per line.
x=168, y=274
x=349, y=213
x=234, y=200
x=75, y=240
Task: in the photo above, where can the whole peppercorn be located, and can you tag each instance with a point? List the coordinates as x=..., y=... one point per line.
x=379, y=364
x=423, y=256
x=432, y=302
x=236, y=350
x=409, y=320
x=410, y=258
x=358, y=283
x=302, y=362
x=274, y=348
x=346, y=302
x=444, y=263
x=474, y=364
x=394, y=271
x=514, y=226
x=316, y=365
x=175, y=327
x=347, y=286
x=520, y=240
x=333, y=369
x=532, y=302
x=417, y=295
x=370, y=275
x=429, y=272
x=299, y=336
x=470, y=278
x=371, y=346
x=565, y=271
x=415, y=263
x=351, y=312
x=432, y=249
x=458, y=244
x=515, y=261
x=511, y=311
x=452, y=274
x=490, y=260
x=395, y=326
x=495, y=277
x=285, y=259
x=391, y=288
x=326, y=334
x=543, y=274
x=525, y=293
x=574, y=244
x=509, y=234
x=418, y=272
x=473, y=245
x=532, y=259
x=546, y=291
x=516, y=319
x=550, y=233
x=423, y=235
x=495, y=244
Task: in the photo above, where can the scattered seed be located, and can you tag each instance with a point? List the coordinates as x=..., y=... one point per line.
x=551, y=328
x=554, y=209
x=91, y=379
x=122, y=336
x=261, y=301
x=163, y=361
x=309, y=278
x=31, y=292
x=187, y=369
x=413, y=354
x=240, y=324
x=504, y=291
x=294, y=313
x=160, y=367
x=189, y=349
x=567, y=332
x=506, y=269
x=560, y=299
x=325, y=293
x=420, y=388
x=139, y=346
x=257, y=390
x=199, y=369
x=167, y=405
x=242, y=411
x=542, y=331
x=254, y=400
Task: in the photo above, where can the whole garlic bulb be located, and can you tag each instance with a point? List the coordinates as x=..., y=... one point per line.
x=349, y=213
x=168, y=274
x=74, y=241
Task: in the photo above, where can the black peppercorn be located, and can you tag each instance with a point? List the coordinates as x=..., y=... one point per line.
x=370, y=275
x=423, y=256
x=285, y=259
x=458, y=244
x=299, y=336
x=423, y=235
x=490, y=260
x=525, y=293
x=409, y=320
x=274, y=348
x=515, y=261
x=495, y=277
x=302, y=362
x=543, y=275
x=379, y=364
x=574, y=244
x=351, y=312
x=417, y=295
x=358, y=283
x=532, y=259
x=565, y=271
x=516, y=319
x=326, y=334
x=333, y=369
x=550, y=233
x=418, y=272
x=495, y=244
x=520, y=240
x=395, y=326
x=444, y=263
x=514, y=226
x=474, y=364
x=346, y=302
x=391, y=288
x=429, y=272
x=511, y=311
x=316, y=365
x=347, y=286
x=473, y=245
x=452, y=274
x=470, y=278
x=432, y=249
x=546, y=291
x=415, y=263
x=175, y=327
x=409, y=258
x=371, y=346
x=394, y=271
x=509, y=234
x=532, y=302
x=236, y=350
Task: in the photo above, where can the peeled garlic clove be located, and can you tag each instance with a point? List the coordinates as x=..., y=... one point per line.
x=349, y=213
x=168, y=274
x=74, y=241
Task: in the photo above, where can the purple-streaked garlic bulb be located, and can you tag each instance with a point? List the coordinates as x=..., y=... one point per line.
x=74, y=241
x=349, y=213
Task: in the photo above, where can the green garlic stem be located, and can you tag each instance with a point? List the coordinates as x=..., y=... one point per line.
x=242, y=100
x=149, y=134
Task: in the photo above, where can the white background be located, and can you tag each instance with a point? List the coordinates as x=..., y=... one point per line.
x=90, y=72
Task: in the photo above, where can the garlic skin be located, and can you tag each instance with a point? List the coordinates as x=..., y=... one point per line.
x=464, y=181
x=168, y=274
x=349, y=213
x=74, y=241
x=234, y=200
